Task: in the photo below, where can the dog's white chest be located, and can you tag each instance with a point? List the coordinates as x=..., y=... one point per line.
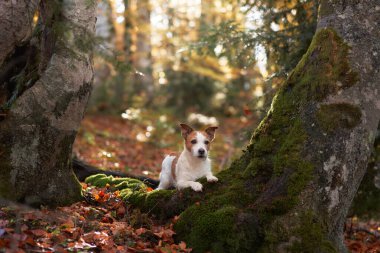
x=186, y=170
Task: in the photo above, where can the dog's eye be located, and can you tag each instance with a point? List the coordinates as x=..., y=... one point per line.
x=193, y=141
x=207, y=142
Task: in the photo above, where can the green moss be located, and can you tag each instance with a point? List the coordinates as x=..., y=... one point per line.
x=311, y=235
x=274, y=165
x=337, y=116
x=265, y=183
x=288, y=154
x=212, y=229
x=133, y=191
x=101, y=180
x=254, y=166
x=324, y=69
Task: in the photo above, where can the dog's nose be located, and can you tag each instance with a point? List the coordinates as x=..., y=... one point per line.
x=201, y=151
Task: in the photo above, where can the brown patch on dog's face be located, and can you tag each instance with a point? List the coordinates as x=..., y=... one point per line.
x=191, y=140
x=185, y=130
x=210, y=132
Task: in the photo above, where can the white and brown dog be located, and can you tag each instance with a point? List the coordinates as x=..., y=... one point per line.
x=193, y=163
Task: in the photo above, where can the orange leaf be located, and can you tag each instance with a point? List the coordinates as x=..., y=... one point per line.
x=30, y=241
x=121, y=211
x=140, y=231
x=175, y=219
x=182, y=245
x=24, y=227
x=38, y=232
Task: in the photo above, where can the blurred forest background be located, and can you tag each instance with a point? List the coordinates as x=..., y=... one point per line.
x=161, y=62
x=158, y=63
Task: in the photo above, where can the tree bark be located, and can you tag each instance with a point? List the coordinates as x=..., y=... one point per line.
x=15, y=24
x=39, y=128
x=292, y=188
x=366, y=203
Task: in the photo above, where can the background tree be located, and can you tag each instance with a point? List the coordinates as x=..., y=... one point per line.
x=46, y=81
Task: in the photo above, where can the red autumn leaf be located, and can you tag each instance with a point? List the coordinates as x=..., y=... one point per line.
x=159, y=234
x=121, y=211
x=29, y=240
x=4, y=243
x=247, y=111
x=140, y=245
x=182, y=245
x=175, y=219
x=9, y=230
x=130, y=249
x=356, y=246
x=24, y=227
x=58, y=238
x=168, y=234
x=140, y=231
x=29, y=216
x=38, y=232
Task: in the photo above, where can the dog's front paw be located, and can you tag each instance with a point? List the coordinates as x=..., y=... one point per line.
x=196, y=186
x=212, y=179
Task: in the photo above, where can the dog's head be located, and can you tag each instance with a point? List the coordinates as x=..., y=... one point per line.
x=198, y=142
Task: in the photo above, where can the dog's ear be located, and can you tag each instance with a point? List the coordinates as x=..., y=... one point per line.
x=210, y=131
x=185, y=130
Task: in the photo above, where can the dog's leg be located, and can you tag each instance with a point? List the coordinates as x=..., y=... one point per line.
x=211, y=178
x=165, y=175
x=194, y=185
x=164, y=182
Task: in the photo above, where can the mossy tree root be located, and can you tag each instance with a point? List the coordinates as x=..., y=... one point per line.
x=240, y=212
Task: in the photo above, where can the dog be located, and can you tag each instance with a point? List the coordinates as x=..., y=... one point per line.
x=193, y=163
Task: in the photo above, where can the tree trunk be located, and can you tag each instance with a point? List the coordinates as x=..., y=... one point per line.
x=142, y=58
x=366, y=203
x=15, y=16
x=292, y=188
x=40, y=123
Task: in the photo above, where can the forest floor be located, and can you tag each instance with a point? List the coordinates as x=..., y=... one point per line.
x=104, y=223
x=138, y=147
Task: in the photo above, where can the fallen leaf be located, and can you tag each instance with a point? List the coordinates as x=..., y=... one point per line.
x=140, y=231
x=38, y=232
x=182, y=245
